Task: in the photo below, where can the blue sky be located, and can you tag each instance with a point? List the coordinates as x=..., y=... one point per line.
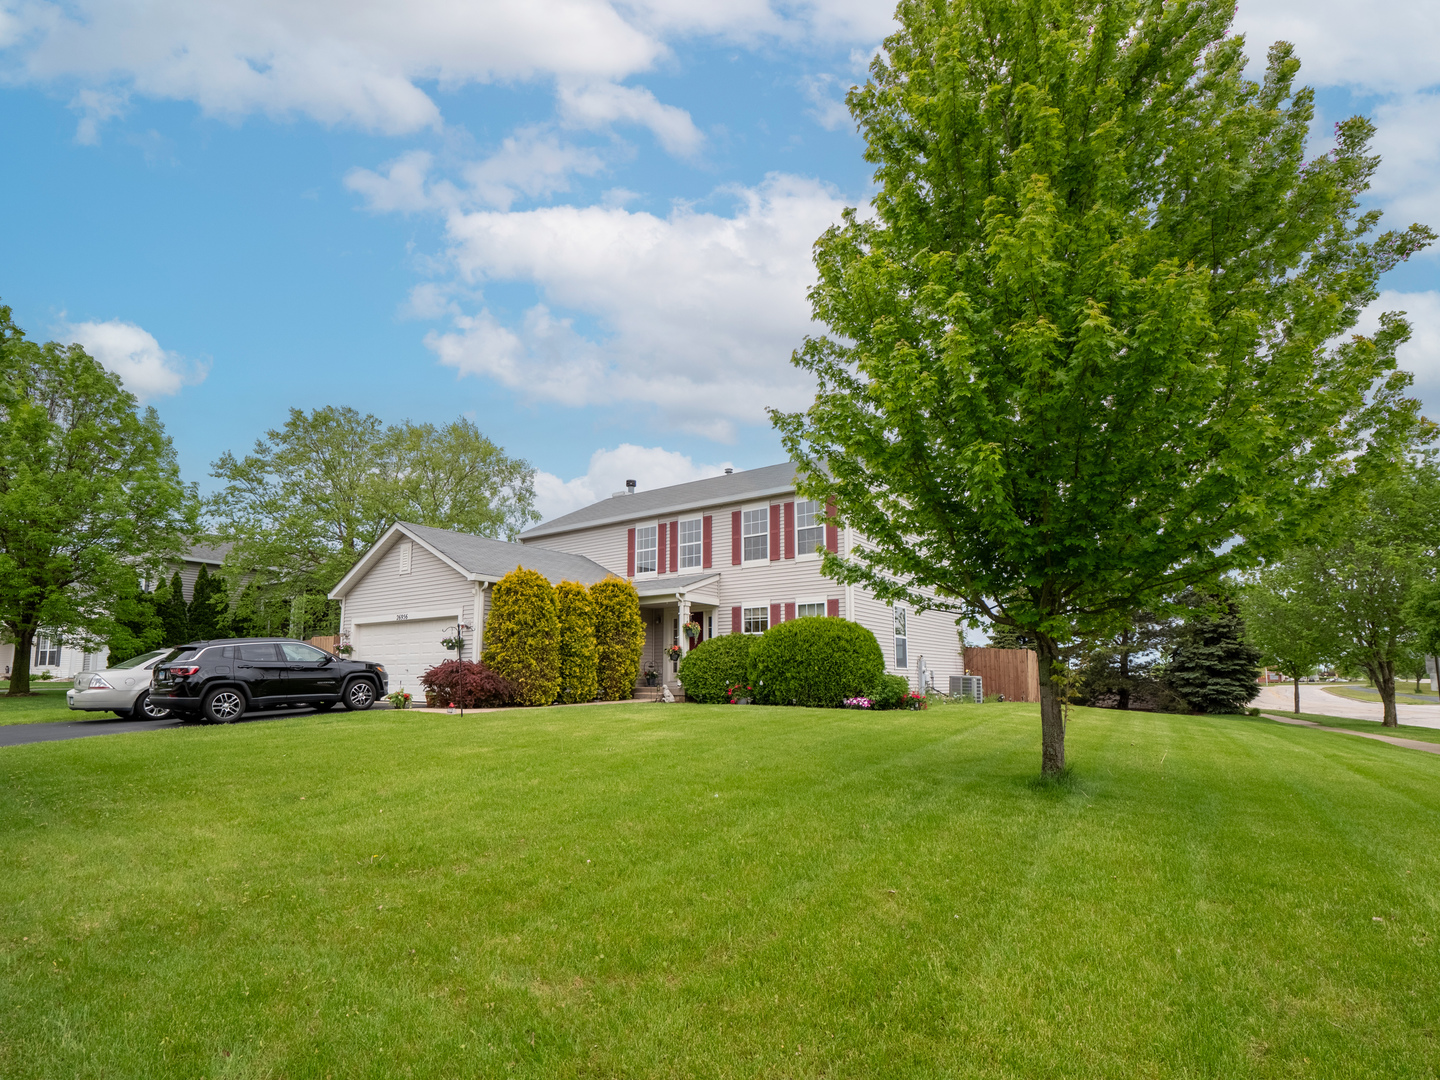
x=584, y=224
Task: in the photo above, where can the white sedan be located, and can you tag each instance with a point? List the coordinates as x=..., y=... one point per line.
x=123, y=688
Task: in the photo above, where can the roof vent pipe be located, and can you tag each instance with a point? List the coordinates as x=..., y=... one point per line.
x=729, y=471
x=630, y=487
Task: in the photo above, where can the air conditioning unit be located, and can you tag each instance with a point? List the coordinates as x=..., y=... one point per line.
x=967, y=688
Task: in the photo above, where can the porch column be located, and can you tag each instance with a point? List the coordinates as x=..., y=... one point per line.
x=684, y=618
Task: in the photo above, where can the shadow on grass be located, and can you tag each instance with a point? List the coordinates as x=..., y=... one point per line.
x=1065, y=783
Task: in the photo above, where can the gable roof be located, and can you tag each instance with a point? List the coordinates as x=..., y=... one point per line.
x=477, y=558
x=697, y=494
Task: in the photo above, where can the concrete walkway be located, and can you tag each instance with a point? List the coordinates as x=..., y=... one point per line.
x=1408, y=744
x=1316, y=699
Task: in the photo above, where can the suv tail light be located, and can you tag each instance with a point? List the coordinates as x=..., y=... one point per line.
x=185, y=670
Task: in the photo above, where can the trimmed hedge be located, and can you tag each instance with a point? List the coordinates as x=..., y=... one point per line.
x=468, y=684
x=619, y=637
x=817, y=662
x=713, y=666
x=578, y=662
x=522, y=636
x=891, y=692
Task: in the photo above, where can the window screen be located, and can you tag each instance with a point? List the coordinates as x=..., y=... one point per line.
x=692, y=544
x=755, y=529
x=645, y=549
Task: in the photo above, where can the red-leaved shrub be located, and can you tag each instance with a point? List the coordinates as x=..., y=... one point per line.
x=468, y=684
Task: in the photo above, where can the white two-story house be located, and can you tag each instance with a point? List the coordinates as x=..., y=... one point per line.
x=736, y=554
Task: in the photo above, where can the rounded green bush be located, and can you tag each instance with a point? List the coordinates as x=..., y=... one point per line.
x=713, y=666
x=890, y=692
x=817, y=661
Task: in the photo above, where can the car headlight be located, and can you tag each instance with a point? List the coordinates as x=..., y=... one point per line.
x=380, y=668
x=97, y=682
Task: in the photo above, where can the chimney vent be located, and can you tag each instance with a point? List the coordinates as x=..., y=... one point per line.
x=630, y=486
x=729, y=471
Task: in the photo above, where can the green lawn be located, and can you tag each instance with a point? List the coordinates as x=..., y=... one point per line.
x=1368, y=693
x=46, y=704
x=693, y=891
x=1404, y=731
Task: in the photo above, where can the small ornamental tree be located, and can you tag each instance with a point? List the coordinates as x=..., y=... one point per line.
x=619, y=637
x=468, y=685
x=1213, y=667
x=522, y=636
x=578, y=664
x=1095, y=344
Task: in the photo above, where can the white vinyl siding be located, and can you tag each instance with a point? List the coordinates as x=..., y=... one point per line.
x=645, y=547
x=692, y=544
x=809, y=526
x=755, y=535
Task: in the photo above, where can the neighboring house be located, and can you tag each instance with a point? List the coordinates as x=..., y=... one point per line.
x=735, y=553
x=66, y=661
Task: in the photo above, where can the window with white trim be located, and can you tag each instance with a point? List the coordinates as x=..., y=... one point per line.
x=47, y=652
x=755, y=620
x=755, y=534
x=692, y=543
x=809, y=526
x=810, y=610
x=645, y=548
x=902, y=649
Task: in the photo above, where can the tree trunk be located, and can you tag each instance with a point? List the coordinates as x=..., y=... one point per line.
x=1124, y=695
x=1297, y=695
x=20, y=671
x=1052, y=716
x=1385, y=684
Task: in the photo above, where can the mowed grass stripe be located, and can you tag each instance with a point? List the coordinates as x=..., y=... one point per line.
x=887, y=894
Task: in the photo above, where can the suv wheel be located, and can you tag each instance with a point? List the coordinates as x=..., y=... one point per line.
x=224, y=705
x=359, y=695
x=143, y=708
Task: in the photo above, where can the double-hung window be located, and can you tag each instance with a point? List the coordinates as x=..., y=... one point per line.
x=645, y=549
x=47, y=651
x=902, y=650
x=809, y=526
x=755, y=534
x=692, y=543
x=755, y=620
x=810, y=611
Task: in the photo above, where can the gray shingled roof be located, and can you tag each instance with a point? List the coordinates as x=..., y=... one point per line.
x=496, y=558
x=714, y=491
x=207, y=553
x=667, y=583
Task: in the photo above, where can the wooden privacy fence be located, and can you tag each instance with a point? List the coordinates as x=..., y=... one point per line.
x=328, y=642
x=1012, y=672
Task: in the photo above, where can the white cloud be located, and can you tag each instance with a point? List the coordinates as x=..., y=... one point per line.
x=598, y=105
x=1421, y=354
x=828, y=112
x=1408, y=142
x=695, y=314
x=147, y=370
x=649, y=466
x=95, y=107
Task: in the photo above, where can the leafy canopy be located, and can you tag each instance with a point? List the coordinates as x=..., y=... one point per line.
x=1091, y=345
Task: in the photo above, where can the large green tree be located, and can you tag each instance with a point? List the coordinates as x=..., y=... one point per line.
x=1288, y=622
x=1092, y=345
x=89, y=492
x=313, y=495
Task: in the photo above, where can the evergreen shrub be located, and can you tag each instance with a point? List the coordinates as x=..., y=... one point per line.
x=891, y=692
x=579, y=665
x=619, y=637
x=712, y=667
x=522, y=636
x=468, y=684
x=818, y=662
x=1213, y=667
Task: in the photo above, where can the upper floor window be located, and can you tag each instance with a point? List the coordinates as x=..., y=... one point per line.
x=755, y=534
x=756, y=620
x=645, y=548
x=809, y=526
x=803, y=611
x=902, y=642
x=692, y=543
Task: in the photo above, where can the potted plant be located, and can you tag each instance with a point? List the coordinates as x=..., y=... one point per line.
x=673, y=652
x=400, y=699
x=652, y=674
x=692, y=630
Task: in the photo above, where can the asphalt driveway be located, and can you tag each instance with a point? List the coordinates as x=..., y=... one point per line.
x=21, y=734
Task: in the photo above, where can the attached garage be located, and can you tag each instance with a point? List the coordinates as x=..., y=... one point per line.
x=407, y=647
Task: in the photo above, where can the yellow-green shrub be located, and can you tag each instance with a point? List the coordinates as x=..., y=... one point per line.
x=619, y=637
x=522, y=639
x=578, y=663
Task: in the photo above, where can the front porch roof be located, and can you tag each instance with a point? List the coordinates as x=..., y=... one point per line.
x=666, y=586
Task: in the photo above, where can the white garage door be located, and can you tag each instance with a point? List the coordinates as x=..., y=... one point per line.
x=407, y=648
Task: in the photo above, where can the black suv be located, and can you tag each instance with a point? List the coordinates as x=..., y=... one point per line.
x=221, y=679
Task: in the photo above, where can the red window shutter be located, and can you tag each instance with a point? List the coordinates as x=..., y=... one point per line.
x=774, y=535
x=737, y=621
x=789, y=530
x=630, y=563
x=707, y=532
x=832, y=530
x=674, y=546
x=660, y=547
x=735, y=538
x=832, y=607
x=774, y=614
x=789, y=612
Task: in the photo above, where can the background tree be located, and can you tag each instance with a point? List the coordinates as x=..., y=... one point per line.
x=138, y=627
x=1008, y=637
x=1422, y=612
x=619, y=637
x=1119, y=669
x=1211, y=666
x=578, y=661
x=209, y=605
x=90, y=492
x=174, y=611
x=301, y=509
x=1093, y=346
x=522, y=636
x=1285, y=622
